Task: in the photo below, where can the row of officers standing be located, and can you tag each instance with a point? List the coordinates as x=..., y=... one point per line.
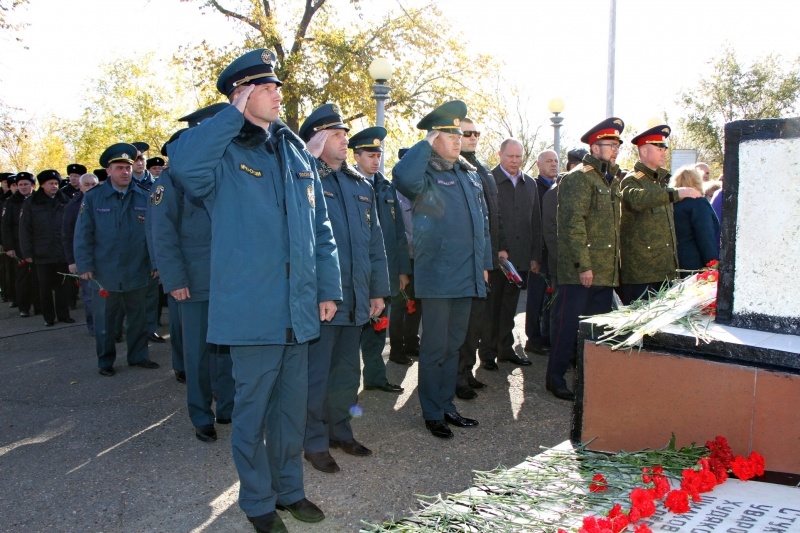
x=277, y=251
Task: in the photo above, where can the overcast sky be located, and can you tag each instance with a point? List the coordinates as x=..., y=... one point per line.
x=550, y=47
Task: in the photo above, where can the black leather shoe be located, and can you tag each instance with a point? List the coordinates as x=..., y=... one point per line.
x=206, y=433
x=401, y=360
x=536, y=348
x=322, y=461
x=389, y=387
x=466, y=393
x=455, y=419
x=49, y=324
x=489, y=365
x=24, y=314
x=225, y=421
x=517, y=360
x=561, y=393
x=107, y=371
x=268, y=523
x=180, y=376
x=475, y=384
x=303, y=510
x=67, y=320
x=155, y=337
x=351, y=447
x=438, y=428
x=147, y=363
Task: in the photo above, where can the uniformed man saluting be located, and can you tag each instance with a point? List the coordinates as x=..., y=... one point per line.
x=452, y=256
x=649, y=251
x=274, y=277
x=588, y=246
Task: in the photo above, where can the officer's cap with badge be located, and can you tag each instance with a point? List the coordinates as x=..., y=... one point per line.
x=196, y=117
x=23, y=176
x=656, y=136
x=253, y=68
x=155, y=162
x=174, y=137
x=610, y=129
x=141, y=147
x=47, y=175
x=446, y=118
x=368, y=140
x=101, y=174
x=576, y=155
x=75, y=168
x=118, y=153
x=325, y=117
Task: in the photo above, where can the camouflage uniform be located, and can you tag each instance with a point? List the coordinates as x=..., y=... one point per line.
x=588, y=222
x=649, y=252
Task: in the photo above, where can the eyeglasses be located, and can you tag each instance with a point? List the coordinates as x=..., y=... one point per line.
x=477, y=134
x=614, y=147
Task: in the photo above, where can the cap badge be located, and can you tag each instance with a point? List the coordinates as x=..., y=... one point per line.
x=376, y=141
x=455, y=122
x=665, y=130
x=125, y=156
x=335, y=109
x=266, y=57
x=618, y=122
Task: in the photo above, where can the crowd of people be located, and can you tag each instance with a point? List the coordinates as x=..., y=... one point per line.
x=285, y=265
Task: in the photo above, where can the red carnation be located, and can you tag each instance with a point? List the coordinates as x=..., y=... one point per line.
x=381, y=324
x=619, y=520
x=642, y=528
x=411, y=307
x=598, y=484
x=642, y=500
x=660, y=488
x=757, y=460
x=104, y=293
x=712, y=264
x=550, y=290
x=742, y=468
x=677, y=501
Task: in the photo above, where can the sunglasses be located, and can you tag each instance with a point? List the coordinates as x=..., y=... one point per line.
x=477, y=134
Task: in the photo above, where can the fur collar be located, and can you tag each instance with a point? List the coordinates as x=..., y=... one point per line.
x=251, y=136
x=440, y=164
x=324, y=170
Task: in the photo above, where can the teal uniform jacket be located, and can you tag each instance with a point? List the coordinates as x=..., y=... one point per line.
x=273, y=256
x=110, y=238
x=451, y=229
x=398, y=259
x=359, y=241
x=182, y=241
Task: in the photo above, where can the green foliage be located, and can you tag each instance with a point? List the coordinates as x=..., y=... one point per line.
x=769, y=88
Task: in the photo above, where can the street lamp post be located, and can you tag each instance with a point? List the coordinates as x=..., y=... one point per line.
x=381, y=71
x=556, y=106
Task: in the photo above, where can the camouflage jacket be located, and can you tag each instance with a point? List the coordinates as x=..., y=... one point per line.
x=588, y=224
x=649, y=251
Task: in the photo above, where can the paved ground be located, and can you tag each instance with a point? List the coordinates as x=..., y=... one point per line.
x=80, y=452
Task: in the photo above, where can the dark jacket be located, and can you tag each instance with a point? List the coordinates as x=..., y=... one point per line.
x=398, y=259
x=522, y=218
x=550, y=228
x=40, y=227
x=451, y=229
x=69, y=191
x=68, y=224
x=12, y=209
x=696, y=225
x=496, y=232
x=359, y=241
x=273, y=256
x=588, y=224
x=542, y=187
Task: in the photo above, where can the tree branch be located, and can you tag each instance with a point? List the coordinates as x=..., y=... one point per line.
x=232, y=14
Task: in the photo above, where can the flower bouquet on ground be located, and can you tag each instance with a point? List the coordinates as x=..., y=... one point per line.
x=690, y=302
x=101, y=291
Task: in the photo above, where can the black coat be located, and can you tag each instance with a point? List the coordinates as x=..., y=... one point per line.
x=696, y=225
x=40, y=228
x=496, y=233
x=69, y=191
x=542, y=187
x=71, y=212
x=12, y=209
x=550, y=228
x=522, y=219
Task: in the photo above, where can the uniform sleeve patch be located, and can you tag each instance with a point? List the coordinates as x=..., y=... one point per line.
x=446, y=183
x=158, y=194
x=306, y=175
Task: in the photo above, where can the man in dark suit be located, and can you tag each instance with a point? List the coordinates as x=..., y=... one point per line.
x=518, y=201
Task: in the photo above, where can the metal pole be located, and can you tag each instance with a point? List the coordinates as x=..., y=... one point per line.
x=556, y=120
x=380, y=92
x=612, y=44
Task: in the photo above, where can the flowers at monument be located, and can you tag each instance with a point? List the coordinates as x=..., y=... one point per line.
x=691, y=302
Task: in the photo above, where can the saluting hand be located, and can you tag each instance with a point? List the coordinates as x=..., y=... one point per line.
x=316, y=144
x=327, y=310
x=240, y=100
x=431, y=136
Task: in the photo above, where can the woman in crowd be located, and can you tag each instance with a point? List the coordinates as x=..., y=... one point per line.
x=695, y=223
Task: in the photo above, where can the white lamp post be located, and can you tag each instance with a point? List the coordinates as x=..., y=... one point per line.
x=556, y=106
x=381, y=71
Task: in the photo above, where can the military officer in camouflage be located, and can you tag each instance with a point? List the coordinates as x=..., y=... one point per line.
x=588, y=245
x=649, y=253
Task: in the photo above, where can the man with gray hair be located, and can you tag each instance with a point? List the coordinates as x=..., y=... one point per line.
x=704, y=170
x=518, y=201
